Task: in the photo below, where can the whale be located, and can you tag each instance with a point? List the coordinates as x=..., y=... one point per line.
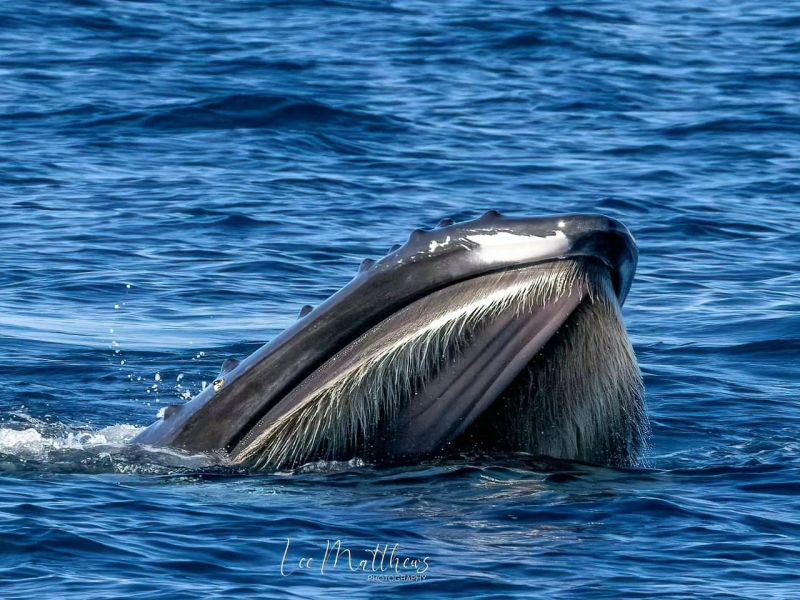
x=493, y=336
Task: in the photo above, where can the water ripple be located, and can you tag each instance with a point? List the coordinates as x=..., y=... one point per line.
x=178, y=179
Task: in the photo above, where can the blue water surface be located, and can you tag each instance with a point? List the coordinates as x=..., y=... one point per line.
x=178, y=178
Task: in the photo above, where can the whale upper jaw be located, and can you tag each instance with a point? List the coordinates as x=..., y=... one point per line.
x=226, y=415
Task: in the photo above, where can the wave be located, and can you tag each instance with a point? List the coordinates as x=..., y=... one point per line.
x=578, y=14
x=32, y=442
x=524, y=40
x=248, y=111
x=33, y=445
x=233, y=111
x=756, y=350
x=776, y=123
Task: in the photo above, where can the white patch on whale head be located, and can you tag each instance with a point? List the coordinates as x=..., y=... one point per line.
x=434, y=244
x=505, y=246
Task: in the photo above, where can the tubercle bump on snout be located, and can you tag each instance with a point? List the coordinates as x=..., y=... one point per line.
x=422, y=236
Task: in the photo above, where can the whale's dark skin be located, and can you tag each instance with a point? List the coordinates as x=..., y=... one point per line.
x=264, y=384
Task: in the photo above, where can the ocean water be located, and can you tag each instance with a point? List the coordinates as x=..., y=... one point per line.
x=178, y=178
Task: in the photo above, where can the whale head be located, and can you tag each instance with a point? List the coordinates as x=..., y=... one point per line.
x=492, y=335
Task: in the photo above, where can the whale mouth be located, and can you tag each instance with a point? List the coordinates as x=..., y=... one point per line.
x=533, y=359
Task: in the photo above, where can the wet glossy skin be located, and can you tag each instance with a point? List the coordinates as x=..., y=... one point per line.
x=221, y=415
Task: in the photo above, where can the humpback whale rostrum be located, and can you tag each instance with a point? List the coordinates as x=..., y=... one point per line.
x=494, y=335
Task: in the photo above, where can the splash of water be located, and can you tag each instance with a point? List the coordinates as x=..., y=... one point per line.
x=30, y=444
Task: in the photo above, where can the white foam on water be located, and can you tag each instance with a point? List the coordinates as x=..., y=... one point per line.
x=31, y=441
x=33, y=444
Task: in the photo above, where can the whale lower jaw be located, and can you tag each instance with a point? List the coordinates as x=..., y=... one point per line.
x=533, y=359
